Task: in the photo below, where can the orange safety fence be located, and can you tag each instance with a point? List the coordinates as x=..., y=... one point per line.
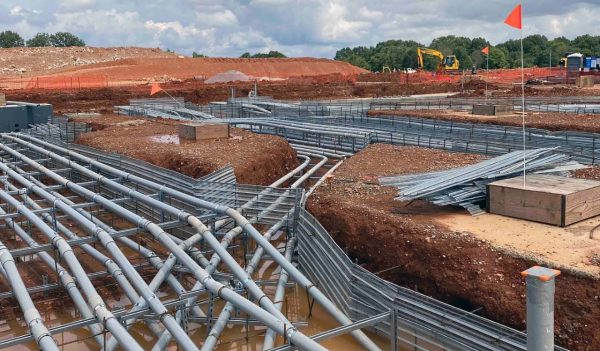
x=55, y=82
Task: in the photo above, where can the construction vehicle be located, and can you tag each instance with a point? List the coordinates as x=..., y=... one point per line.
x=447, y=63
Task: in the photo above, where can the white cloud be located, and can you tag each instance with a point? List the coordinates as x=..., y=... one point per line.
x=295, y=27
x=337, y=27
x=183, y=31
x=218, y=19
x=16, y=11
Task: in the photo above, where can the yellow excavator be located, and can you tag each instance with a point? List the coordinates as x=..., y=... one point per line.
x=447, y=63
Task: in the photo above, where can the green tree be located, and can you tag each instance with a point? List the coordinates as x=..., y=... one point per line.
x=40, y=40
x=498, y=58
x=275, y=54
x=463, y=57
x=64, y=39
x=197, y=55
x=10, y=39
x=536, y=52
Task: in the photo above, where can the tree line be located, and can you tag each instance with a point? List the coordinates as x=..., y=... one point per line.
x=10, y=39
x=538, y=50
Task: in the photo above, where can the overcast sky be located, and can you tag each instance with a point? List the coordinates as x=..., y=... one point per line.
x=294, y=27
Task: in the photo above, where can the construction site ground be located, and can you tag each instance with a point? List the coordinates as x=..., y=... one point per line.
x=256, y=159
x=555, y=121
x=303, y=88
x=470, y=262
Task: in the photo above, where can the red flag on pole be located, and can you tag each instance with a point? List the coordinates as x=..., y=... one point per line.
x=486, y=50
x=155, y=89
x=514, y=19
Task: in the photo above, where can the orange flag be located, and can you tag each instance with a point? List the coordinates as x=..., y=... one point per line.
x=155, y=89
x=486, y=50
x=514, y=19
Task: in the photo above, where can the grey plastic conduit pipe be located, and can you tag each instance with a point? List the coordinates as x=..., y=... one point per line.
x=281, y=325
x=120, y=333
x=280, y=292
x=65, y=278
x=275, y=184
x=164, y=339
x=241, y=221
x=32, y=317
x=322, y=179
x=103, y=315
x=221, y=323
x=211, y=341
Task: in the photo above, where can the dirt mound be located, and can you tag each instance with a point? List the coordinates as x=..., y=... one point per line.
x=256, y=159
x=144, y=69
x=229, y=76
x=37, y=61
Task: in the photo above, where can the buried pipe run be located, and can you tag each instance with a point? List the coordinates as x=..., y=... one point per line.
x=280, y=324
x=313, y=291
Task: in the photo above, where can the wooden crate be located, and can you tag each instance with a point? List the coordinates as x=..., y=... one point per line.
x=547, y=199
x=203, y=131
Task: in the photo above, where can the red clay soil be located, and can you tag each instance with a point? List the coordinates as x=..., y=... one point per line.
x=456, y=267
x=256, y=159
x=554, y=121
x=187, y=68
x=103, y=100
x=29, y=61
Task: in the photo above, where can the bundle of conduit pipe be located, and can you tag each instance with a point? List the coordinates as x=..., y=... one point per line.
x=466, y=186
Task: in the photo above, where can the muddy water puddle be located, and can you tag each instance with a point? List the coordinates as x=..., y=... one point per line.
x=235, y=337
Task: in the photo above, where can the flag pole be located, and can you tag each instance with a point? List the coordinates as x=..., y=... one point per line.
x=523, y=108
x=487, y=73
